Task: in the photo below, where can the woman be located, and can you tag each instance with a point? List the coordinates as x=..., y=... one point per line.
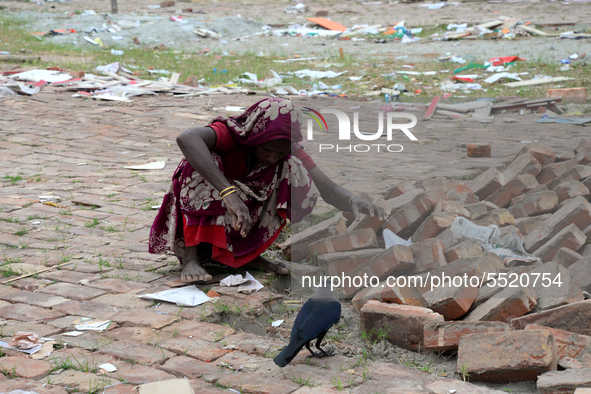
x=241, y=178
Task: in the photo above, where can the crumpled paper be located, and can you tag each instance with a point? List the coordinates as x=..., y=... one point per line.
x=24, y=340
x=246, y=285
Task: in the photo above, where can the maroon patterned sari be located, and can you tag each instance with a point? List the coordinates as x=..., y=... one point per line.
x=192, y=211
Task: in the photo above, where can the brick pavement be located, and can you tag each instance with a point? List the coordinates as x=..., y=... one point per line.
x=57, y=145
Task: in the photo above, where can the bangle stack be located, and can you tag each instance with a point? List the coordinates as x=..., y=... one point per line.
x=227, y=191
x=352, y=197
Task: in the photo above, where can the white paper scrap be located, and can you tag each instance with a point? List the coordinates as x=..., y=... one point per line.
x=86, y=323
x=246, y=285
x=183, y=296
x=392, y=239
x=27, y=351
x=45, y=75
x=73, y=333
x=108, y=367
x=155, y=165
x=276, y=323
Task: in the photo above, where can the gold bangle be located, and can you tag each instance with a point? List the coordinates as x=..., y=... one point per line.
x=352, y=197
x=230, y=187
x=227, y=194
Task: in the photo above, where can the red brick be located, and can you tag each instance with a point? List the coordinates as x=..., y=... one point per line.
x=254, y=344
x=465, y=197
x=138, y=352
x=521, y=165
x=200, y=330
x=580, y=273
x=529, y=224
x=511, y=189
x=507, y=356
x=77, y=74
x=569, y=237
x=584, y=157
x=28, y=313
x=467, y=248
x=575, y=173
x=437, y=194
x=451, y=207
x=571, y=189
x=297, y=247
x=564, y=154
x=398, y=190
x=534, y=204
x=474, y=150
x=509, y=303
x=406, y=295
x=577, y=211
x=551, y=171
x=32, y=298
x=261, y=385
x=85, y=309
x=541, y=152
x=188, y=367
x=144, y=318
x=31, y=385
x=564, y=382
x=450, y=301
x=73, y=292
x=567, y=257
x=393, y=261
x=360, y=239
x=501, y=217
x=582, y=144
x=487, y=183
x=433, y=225
x=447, y=335
x=196, y=348
x=573, y=317
x=345, y=262
x=115, y=285
x=404, y=222
x=427, y=255
x=569, y=345
x=25, y=367
x=403, y=324
x=554, y=295
x=167, y=4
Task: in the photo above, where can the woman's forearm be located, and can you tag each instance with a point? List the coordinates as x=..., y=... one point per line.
x=198, y=154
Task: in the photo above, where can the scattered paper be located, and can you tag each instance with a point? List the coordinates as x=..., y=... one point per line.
x=42, y=75
x=276, y=323
x=49, y=198
x=487, y=237
x=45, y=351
x=495, y=77
x=177, y=386
x=392, y=239
x=73, y=333
x=184, y=296
x=27, y=351
x=25, y=340
x=317, y=74
x=108, y=367
x=155, y=165
x=86, y=323
x=246, y=285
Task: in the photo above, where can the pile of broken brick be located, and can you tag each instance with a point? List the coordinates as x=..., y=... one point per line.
x=503, y=332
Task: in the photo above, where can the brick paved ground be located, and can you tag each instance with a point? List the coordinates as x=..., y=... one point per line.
x=75, y=149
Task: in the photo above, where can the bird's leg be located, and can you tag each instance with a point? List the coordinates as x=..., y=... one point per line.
x=312, y=353
x=323, y=353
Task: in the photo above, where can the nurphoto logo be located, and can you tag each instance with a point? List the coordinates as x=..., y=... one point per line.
x=344, y=122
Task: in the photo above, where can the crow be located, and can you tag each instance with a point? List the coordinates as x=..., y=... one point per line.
x=314, y=320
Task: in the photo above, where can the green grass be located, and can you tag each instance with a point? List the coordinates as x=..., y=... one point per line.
x=12, y=179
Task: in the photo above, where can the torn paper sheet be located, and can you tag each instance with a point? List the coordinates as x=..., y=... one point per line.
x=246, y=285
x=108, y=367
x=183, y=296
x=24, y=340
x=27, y=351
x=155, y=165
x=392, y=239
x=45, y=351
x=277, y=323
x=42, y=75
x=86, y=323
x=317, y=74
x=487, y=237
x=72, y=333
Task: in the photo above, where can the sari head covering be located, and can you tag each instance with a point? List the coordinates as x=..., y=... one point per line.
x=192, y=211
x=266, y=120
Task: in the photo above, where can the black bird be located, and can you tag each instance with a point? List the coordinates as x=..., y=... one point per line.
x=314, y=320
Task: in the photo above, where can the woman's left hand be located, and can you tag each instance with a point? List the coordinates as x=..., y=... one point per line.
x=358, y=204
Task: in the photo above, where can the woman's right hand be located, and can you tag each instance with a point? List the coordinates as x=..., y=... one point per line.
x=240, y=214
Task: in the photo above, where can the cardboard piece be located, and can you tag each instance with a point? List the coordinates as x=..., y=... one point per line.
x=327, y=24
x=176, y=386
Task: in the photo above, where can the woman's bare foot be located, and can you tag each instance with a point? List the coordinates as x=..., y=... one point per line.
x=269, y=265
x=192, y=270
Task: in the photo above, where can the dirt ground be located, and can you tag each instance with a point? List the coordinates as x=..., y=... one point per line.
x=238, y=22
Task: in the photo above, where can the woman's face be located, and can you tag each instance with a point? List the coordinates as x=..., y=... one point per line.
x=272, y=151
